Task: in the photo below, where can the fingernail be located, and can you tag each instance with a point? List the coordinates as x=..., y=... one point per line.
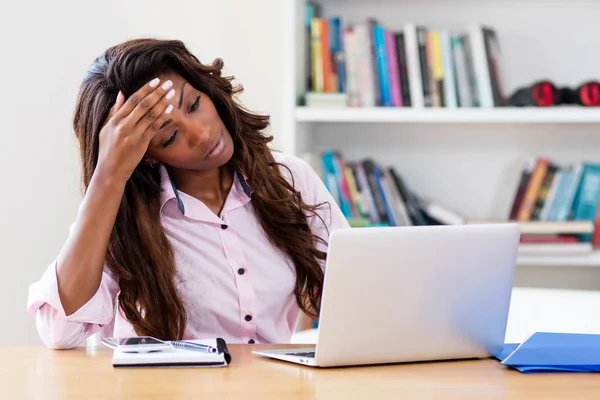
x=154, y=82
x=167, y=85
x=169, y=109
x=170, y=94
x=118, y=97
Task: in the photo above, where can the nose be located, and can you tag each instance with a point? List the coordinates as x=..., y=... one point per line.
x=197, y=134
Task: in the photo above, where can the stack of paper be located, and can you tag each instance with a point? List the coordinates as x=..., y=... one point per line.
x=543, y=352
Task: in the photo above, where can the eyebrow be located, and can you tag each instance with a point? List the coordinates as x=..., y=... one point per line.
x=181, y=96
x=167, y=122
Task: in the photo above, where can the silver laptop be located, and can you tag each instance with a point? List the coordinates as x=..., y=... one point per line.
x=406, y=294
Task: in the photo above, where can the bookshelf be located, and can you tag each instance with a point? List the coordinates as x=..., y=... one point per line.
x=580, y=261
x=567, y=115
x=467, y=158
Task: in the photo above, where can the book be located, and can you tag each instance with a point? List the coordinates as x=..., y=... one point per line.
x=481, y=65
x=382, y=65
x=311, y=11
x=436, y=68
x=526, y=171
x=317, y=68
x=542, y=197
x=175, y=357
x=533, y=190
x=351, y=67
x=403, y=69
x=393, y=69
x=461, y=72
x=450, y=95
x=336, y=42
x=413, y=65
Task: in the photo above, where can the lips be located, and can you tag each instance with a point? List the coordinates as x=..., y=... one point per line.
x=216, y=148
x=213, y=146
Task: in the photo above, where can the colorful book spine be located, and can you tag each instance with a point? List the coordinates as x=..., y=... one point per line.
x=552, y=192
x=566, y=206
x=561, y=196
x=543, y=194
x=429, y=51
x=385, y=195
x=317, y=55
x=393, y=69
x=331, y=165
x=376, y=191
x=521, y=188
x=480, y=64
x=413, y=65
x=533, y=189
x=403, y=68
x=352, y=71
x=366, y=194
x=364, y=66
x=450, y=95
x=371, y=24
x=437, y=68
x=336, y=34
x=354, y=193
x=309, y=13
x=463, y=85
x=586, y=201
x=342, y=176
x=382, y=65
x=329, y=78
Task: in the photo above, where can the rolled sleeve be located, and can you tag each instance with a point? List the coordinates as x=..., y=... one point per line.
x=56, y=329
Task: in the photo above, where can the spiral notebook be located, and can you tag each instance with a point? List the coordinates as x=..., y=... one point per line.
x=174, y=357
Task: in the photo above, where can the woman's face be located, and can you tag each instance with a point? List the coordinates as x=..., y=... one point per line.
x=194, y=136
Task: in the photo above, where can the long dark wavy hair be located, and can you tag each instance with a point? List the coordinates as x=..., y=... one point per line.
x=139, y=253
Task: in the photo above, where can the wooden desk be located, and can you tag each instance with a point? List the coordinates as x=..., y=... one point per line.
x=40, y=373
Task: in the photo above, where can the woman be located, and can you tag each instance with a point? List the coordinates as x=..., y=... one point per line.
x=190, y=226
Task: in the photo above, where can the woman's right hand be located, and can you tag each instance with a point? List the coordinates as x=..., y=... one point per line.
x=130, y=126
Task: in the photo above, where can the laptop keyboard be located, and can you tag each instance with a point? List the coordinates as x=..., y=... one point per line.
x=310, y=354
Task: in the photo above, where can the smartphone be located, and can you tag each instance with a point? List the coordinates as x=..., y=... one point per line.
x=136, y=344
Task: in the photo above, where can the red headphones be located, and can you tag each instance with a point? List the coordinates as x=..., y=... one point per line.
x=588, y=94
x=545, y=94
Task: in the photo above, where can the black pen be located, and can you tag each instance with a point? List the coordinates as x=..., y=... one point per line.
x=181, y=344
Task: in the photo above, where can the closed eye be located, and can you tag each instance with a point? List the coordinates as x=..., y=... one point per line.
x=170, y=140
x=194, y=105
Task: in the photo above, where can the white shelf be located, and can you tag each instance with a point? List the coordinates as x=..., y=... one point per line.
x=588, y=260
x=508, y=115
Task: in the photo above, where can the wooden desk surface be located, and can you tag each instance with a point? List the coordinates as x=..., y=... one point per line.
x=40, y=373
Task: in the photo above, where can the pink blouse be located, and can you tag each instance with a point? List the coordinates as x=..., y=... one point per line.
x=233, y=282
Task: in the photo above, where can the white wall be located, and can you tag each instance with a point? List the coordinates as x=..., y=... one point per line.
x=46, y=48
x=253, y=53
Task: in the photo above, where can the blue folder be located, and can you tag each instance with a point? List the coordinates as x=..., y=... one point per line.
x=554, y=352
